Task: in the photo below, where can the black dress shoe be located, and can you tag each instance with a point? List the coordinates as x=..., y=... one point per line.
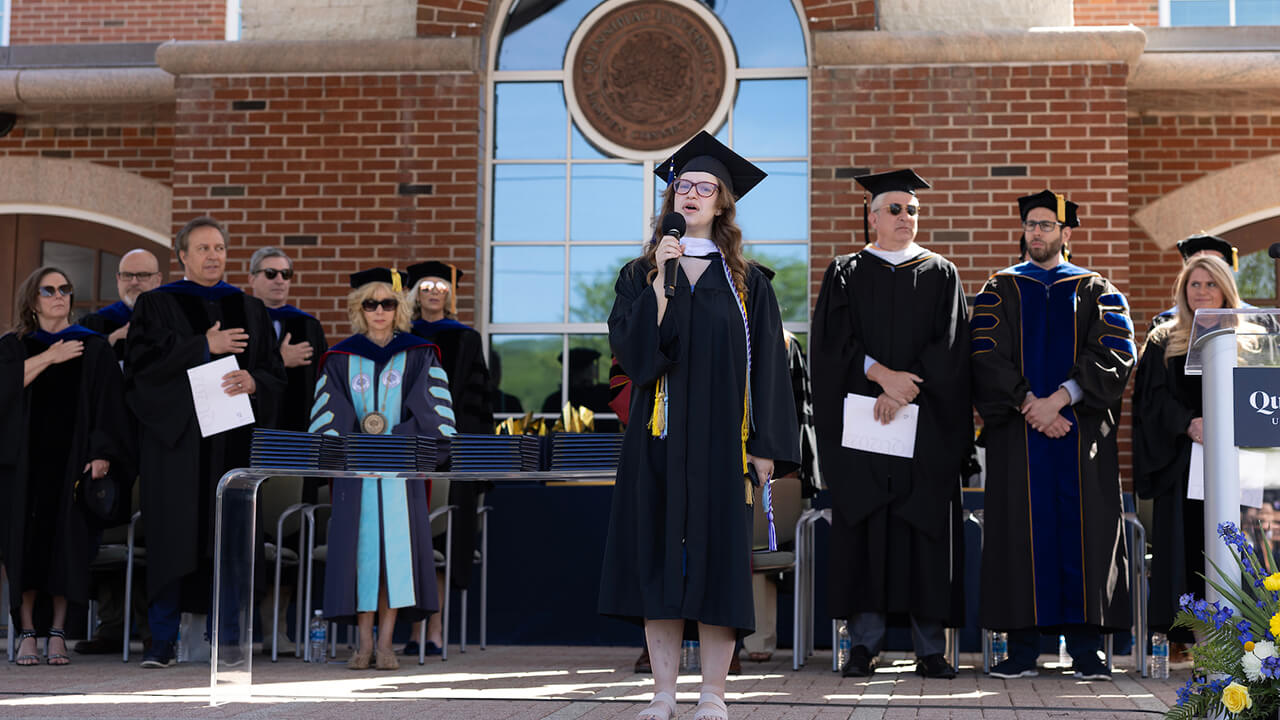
x=859, y=664
x=935, y=666
x=100, y=646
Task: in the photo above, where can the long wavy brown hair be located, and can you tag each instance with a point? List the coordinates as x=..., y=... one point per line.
x=725, y=233
x=25, y=320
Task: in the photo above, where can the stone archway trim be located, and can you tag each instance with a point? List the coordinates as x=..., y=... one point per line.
x=74, y=188
x=1216, y=202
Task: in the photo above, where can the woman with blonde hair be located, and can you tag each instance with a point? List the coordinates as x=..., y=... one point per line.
x=711, y=406
x=64, y=426
x=1167, y=421
x=381, y=381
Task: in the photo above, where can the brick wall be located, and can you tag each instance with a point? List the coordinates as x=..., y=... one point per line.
x=343, y=172
x=840, y=14
x=451, y=17
x=1166, y=152
x=1143, y=13
x=37, y=22
x=145, y=150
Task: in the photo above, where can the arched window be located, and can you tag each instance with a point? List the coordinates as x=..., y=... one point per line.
x=565, y=216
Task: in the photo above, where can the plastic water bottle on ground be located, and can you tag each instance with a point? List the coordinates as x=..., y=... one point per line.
x=844, y=644
x=999, y=647
x=318, y=646
x=1064, y=657
x=690, y=657
x=1160, y=656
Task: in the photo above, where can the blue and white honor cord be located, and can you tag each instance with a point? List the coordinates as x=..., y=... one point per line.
x=768, y=512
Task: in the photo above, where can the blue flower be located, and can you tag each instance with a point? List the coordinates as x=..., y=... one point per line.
x=1185, y=600
x=1270, y=668
x=1221, y=617
x=1246, y=631
x=1184, y=693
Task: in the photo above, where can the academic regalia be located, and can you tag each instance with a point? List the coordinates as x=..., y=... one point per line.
x=680, y=530
x=295, y=404
x=1054, y=548
x=897, y=541
x=462, y=356
x=179, y=469
x=802, y=392
x=381, y=522
x=108, y=320
x=1165, y=401
x=73, y=412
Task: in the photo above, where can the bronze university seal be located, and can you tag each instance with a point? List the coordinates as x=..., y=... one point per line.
x=647, y=75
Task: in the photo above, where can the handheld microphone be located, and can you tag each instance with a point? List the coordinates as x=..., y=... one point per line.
x=1274, y=251
x=673, y=225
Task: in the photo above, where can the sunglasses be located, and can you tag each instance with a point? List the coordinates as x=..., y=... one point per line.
x=433, y=286
x=49, y=290
x=1044, y=225
x=388, y=304
x=271, y=273
x=139, y=276
x=896, y=209
x=705, y=188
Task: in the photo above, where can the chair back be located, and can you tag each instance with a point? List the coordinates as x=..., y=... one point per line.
x=439, y=497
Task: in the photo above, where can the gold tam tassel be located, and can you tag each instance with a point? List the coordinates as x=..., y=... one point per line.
x=658, y=419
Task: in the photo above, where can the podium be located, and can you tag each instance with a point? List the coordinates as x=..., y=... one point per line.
x=1237, y=354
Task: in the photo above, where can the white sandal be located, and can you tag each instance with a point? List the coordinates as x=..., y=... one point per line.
x=711, y=707
x=661, y=707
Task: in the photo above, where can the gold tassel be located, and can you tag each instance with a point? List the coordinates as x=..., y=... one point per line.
x=1062, y=207
x=395, y=280
x=657, y=419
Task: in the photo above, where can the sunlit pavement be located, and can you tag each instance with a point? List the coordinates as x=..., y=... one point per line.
x=565, y=683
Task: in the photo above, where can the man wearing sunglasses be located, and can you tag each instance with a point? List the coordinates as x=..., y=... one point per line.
x=891, y=324
x=1052, y=351
x=299, y=336
x=138, y=272
x=176, y=327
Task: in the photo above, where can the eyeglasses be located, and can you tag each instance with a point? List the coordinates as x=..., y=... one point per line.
x=139, y=276
x=433, y=286
x=706, y=188
x=388, y=304
x=896, y=209
x=1044, y=225
x=271, y=273
x=49, y=290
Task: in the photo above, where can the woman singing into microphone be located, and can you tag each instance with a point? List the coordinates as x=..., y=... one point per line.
x=711, y=408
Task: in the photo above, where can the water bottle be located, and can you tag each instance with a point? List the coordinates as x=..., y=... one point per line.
x=844, y=644
x=318, y=647
x=999, y=647
x=1160, y=656
x=1064, y=657
x=690, y=657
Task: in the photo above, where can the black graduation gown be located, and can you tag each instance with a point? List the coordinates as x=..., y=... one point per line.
x=108, y=320
x=179, y=469
x=1165, y=400
x=72, y=413
x=1054, y=548
x=679, y=541
x=802, y=391
x=295, y=403
x=424, y=410
x=462, y=355
x=897, y=543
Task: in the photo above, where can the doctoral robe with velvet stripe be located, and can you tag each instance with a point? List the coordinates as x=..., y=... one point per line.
x=679, y=541
x=404, y=382
x=1054, y=549
x=897, y=543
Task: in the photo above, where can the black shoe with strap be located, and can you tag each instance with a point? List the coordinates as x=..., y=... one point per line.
x=860, y=663
x=935, y=666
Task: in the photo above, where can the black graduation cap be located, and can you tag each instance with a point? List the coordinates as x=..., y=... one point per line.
x=1064, y=209
x=435, y=268
x=392, y=277
x=579, y=357
x=706, y=154
x=1196, y=243
x=905, y=180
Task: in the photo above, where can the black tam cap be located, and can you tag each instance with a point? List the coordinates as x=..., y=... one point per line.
x=1197, y=243
x=905, y=180
x=579, y=357
x=706, y=154
x=434, y=268
x=1064, y=209
x=396, y=279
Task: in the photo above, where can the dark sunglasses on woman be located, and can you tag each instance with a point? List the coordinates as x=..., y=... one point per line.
x=49, y=290
x=388, y=304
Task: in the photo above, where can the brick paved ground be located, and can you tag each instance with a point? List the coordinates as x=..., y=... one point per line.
x=564, y=683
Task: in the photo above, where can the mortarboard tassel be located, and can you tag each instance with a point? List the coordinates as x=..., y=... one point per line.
x=1062, y=207
x=395, y=280
x=866, y=229
x=453, y=291
x=1235, y=259
x=768, y=513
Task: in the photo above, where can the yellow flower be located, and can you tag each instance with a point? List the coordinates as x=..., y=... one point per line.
x=1235, y=697
x=1272, y=582
x=1275, y=624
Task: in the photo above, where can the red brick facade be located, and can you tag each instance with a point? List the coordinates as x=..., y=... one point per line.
x=144, y=150
x=840, y=14
x=343, y=172
x=1143, y=13
x=37, y=22
x=462, y=18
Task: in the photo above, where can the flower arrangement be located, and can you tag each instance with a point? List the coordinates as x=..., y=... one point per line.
x=1238, y=666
